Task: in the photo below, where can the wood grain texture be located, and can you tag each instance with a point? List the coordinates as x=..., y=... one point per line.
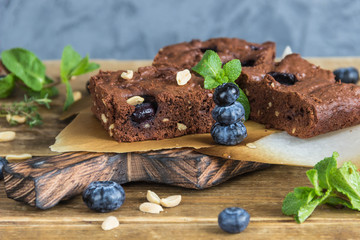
x=44, y=181
x=261, y=193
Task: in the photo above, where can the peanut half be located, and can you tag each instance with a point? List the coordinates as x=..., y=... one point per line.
x=110, y=223
x=135, y=100
x=149, y=207
x=152, y=197
x=171, y=201
x=183, y=77
x=7, y=136
x=23, y=156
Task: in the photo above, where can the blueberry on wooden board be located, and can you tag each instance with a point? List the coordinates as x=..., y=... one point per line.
x=3, y=162
x=228, y=134
x=347, y=75
x=233, y=220
x=226, y=94
x=104, y=196
x=229, y=114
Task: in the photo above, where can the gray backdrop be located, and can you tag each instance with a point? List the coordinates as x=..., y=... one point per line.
x=124, y=29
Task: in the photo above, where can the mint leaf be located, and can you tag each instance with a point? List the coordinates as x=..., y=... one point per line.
x=336, y=201
x=346, y=180
x=306, y=210
x=210, y=82
x=312, y=174
x=69, y=96
x=332, y=185
x=324, y=167
x=69, y=61
x=73, y=65
x=245, y=102
x=233, y=69
x=26, y=66
x=209, y=65
x=7, y=85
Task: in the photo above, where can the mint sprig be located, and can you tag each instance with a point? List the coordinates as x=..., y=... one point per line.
x=332, y=185
x=210, y=67
x=73, y=65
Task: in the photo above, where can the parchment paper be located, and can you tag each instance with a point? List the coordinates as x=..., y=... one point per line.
x=85, y=133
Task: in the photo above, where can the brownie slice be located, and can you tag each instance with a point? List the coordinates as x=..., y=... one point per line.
x=168, y=110
x=300, y=98
x=188, y=54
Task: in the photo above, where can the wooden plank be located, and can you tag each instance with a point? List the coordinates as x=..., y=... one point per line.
x=260, y=193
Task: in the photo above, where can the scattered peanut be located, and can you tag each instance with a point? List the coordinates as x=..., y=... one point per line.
x=23, y=156
x=77, y=95
x=183, y=77
x=171, y=201
x=135, y=100
x=165, y=119
x=277, y=113
x=110, y=223
x=149, y=207
x=111, y=127
x=251, y=145
x=129, y=74
x=7, y=136
x=152, y=197
x=181, y=126
x=104, y=118
x=16, y=118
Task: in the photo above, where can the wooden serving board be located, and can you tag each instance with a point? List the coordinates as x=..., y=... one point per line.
x=44, y=181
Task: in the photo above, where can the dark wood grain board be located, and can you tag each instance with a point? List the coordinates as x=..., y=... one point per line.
x=44, y=181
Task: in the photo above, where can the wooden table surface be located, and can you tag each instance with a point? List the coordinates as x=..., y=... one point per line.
x=261, y=193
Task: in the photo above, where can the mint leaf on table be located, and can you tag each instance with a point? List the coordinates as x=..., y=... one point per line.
x=346, y=180
x=26, y=66
x=332, y=185
x=210, y=67
x=7, y=85
x=73, y=65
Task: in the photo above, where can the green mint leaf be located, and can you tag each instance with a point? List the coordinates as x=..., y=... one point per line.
x=69, y=96
x=336, y=201
x=209, y=65
x=292, y=204
x=7, y=85
x=210, y=82
x=312, y=174
x=307, y=209
x=233, y=69
x=70, y=59
x=324, y=167
x=91, y=67
x=80, y=67
x=245, y=102
x=26, y=66
x=346, y=180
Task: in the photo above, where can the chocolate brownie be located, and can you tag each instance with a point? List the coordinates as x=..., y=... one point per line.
x=187, y=54
x=168, y=110
x=300, y=98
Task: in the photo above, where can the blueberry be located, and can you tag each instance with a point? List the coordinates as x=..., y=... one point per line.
x=104, y=196
x=144, y=111
x=229, y=114
x=284, y=78
x=226, y=94
x=233, y=219
x=3, y=162
x=347, y=75
x=228, y=134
